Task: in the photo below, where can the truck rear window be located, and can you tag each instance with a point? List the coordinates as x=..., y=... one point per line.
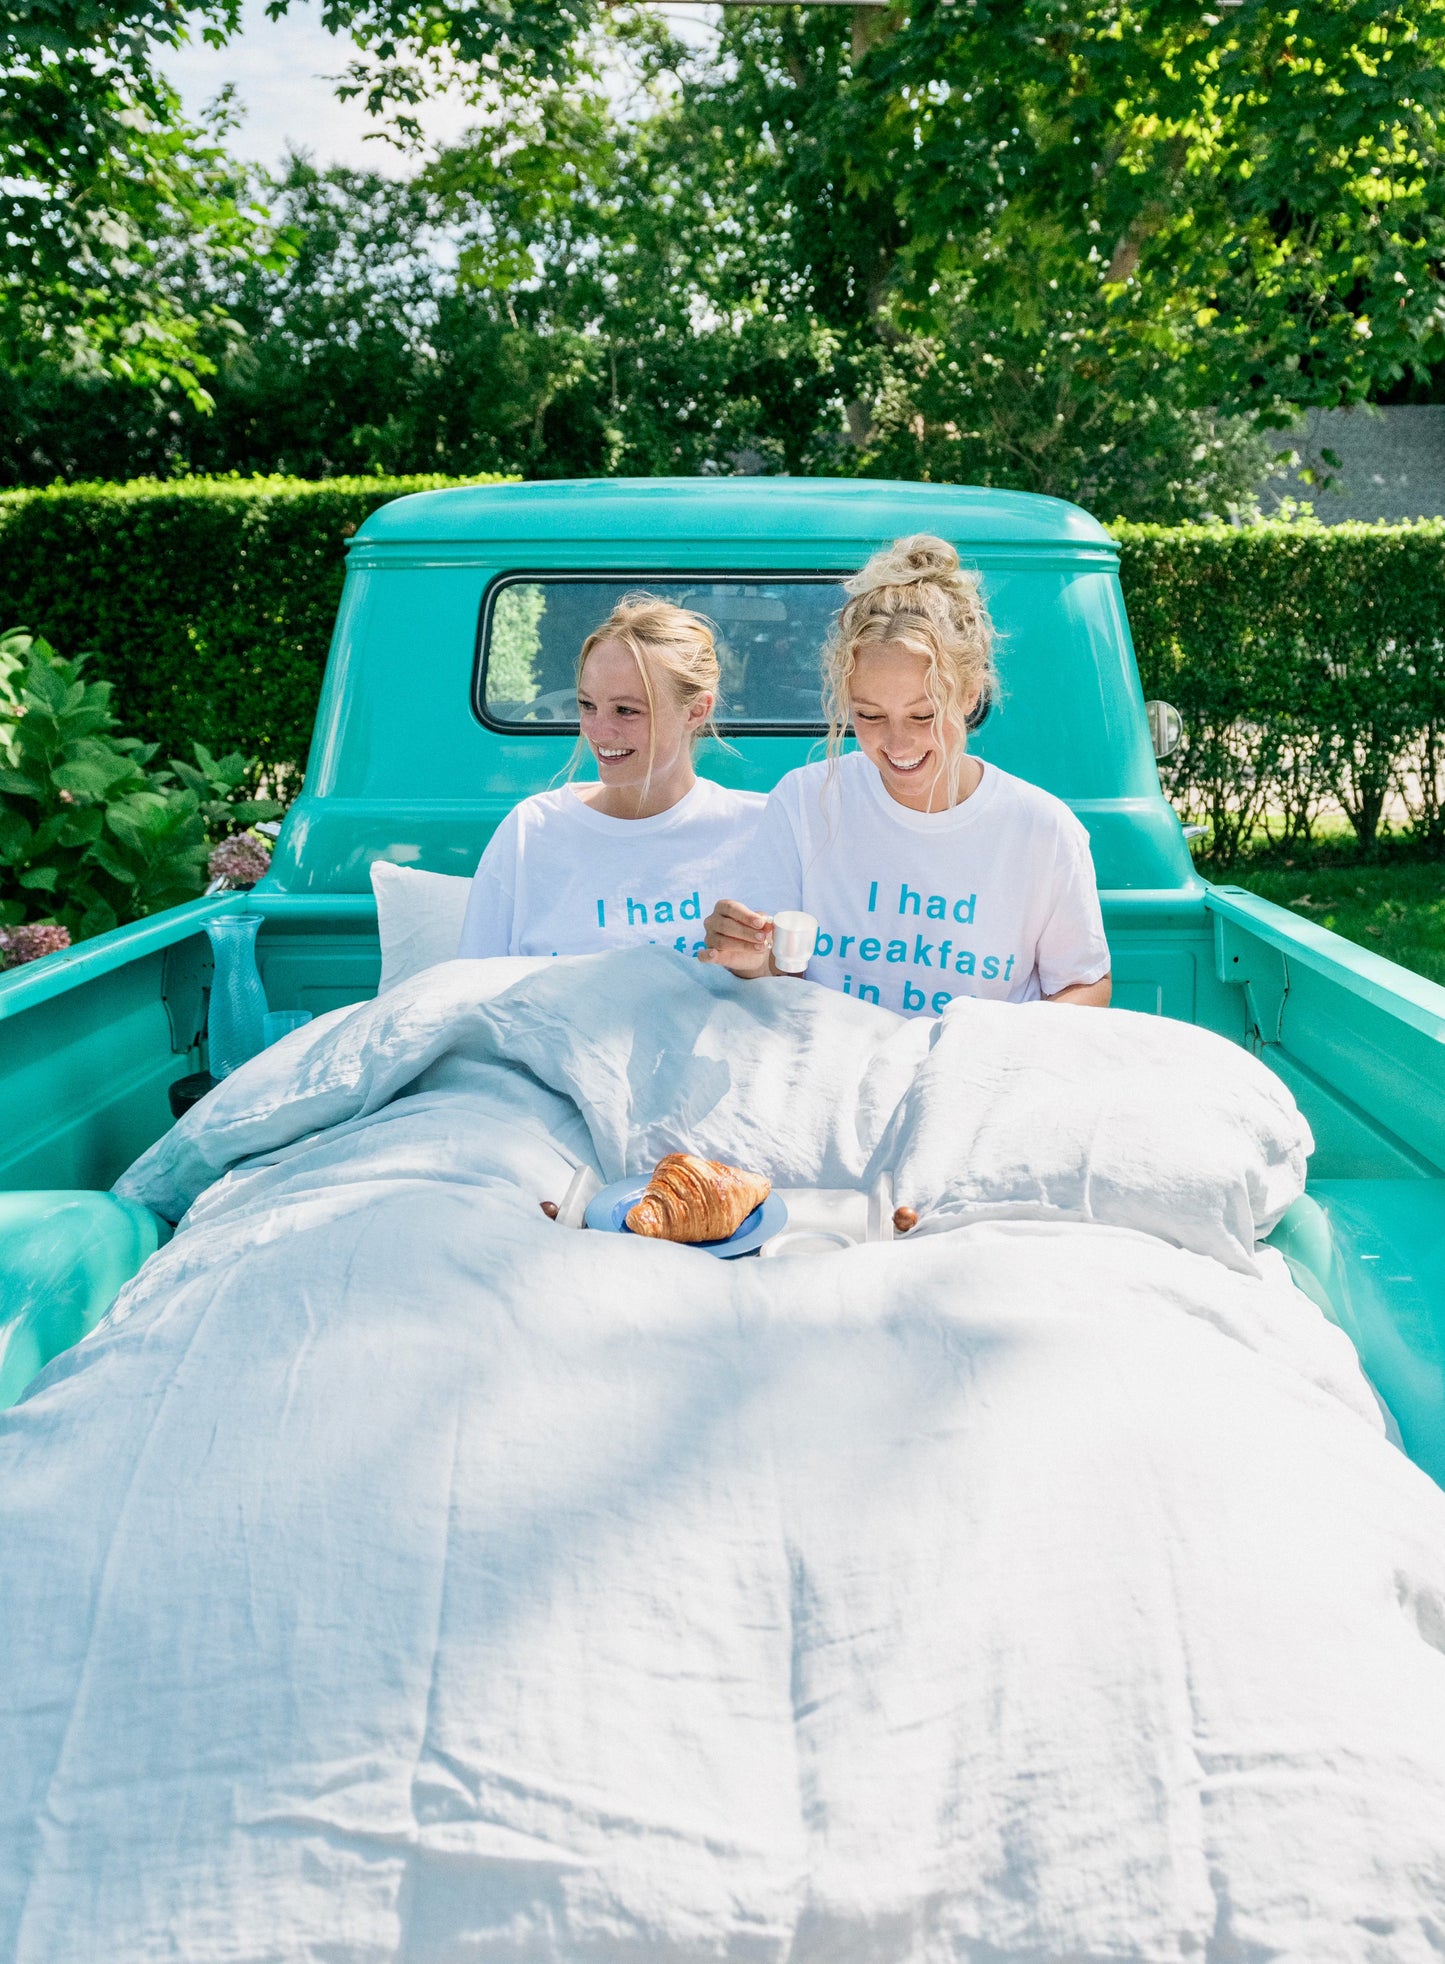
x=770, y=635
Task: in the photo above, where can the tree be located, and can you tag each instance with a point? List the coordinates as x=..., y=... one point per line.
x=1092, y=247
x=1066, y=238
x=1051, y=236
x=99, y=176
x=442, y=324
x=608, y=221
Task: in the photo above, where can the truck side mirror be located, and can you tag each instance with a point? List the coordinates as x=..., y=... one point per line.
x=1166, y=727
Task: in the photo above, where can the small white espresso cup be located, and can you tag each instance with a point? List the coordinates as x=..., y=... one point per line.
x=794, y=937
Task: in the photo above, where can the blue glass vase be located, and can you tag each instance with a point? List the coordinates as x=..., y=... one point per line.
x=238, y=996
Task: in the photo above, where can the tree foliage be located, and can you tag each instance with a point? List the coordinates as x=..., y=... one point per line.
x=1073, y=242
x=1091, y=247
x=101, y=180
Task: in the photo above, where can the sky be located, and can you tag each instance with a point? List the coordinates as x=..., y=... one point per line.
x=280, y=69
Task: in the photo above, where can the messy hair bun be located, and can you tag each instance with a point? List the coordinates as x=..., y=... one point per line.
x=916, y=594
x=906, y=561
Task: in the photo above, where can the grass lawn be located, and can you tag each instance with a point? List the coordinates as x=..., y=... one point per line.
x=1397, y=908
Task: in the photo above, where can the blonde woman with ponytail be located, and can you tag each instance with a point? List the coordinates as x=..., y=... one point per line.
x=630, y=858
x=931, y=873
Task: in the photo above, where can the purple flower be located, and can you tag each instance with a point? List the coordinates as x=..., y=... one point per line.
x=240, y=860
x=31, y=940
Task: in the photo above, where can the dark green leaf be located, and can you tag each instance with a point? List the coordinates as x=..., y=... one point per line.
x=92, y=777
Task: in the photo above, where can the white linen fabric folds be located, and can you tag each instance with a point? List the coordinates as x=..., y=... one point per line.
x=396, y=1575
x=1020, y=1113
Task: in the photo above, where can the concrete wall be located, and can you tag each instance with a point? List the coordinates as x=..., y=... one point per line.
x=1392, y=463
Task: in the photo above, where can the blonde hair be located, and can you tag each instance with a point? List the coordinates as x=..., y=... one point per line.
x=916, y=595
x=669, y=644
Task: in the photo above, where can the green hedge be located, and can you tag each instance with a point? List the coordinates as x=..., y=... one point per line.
x=209, y=601
x=1308, y=663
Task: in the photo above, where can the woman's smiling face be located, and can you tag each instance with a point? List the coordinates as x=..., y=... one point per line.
x=895, y=724
x=634, y=742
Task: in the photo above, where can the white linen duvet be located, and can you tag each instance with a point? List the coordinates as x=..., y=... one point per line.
x=399, y=1576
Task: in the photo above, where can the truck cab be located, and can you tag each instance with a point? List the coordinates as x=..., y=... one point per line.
x=448, y=696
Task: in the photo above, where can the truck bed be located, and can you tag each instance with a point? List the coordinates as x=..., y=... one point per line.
x=91, y=1039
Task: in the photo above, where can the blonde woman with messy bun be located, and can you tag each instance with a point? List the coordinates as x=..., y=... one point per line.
x=631, y=858
x=932, y=874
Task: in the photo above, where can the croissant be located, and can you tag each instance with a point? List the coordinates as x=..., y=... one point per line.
x=692, y=1199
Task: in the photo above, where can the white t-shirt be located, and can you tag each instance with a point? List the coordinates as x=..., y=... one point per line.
x=558, y=878
x=993, y=898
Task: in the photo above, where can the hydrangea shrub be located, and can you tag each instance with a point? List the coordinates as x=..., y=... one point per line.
x=30, y=940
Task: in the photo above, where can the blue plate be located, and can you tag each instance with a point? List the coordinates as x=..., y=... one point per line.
x=608, y=1210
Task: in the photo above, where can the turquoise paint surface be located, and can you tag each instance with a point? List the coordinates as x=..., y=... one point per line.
x=614, y=514
x=1372, y=1254
x=64, y=1257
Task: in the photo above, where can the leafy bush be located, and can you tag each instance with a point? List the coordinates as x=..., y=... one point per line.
x=213, y=599
x=91, y=833
x=1308, y=663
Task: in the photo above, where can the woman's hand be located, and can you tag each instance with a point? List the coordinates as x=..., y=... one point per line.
x=739, y=939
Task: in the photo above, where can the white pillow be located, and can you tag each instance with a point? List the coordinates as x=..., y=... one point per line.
x=1039, y=1111
x=419, y=918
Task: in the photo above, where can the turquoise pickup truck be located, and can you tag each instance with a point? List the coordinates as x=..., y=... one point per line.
x=448, y=695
